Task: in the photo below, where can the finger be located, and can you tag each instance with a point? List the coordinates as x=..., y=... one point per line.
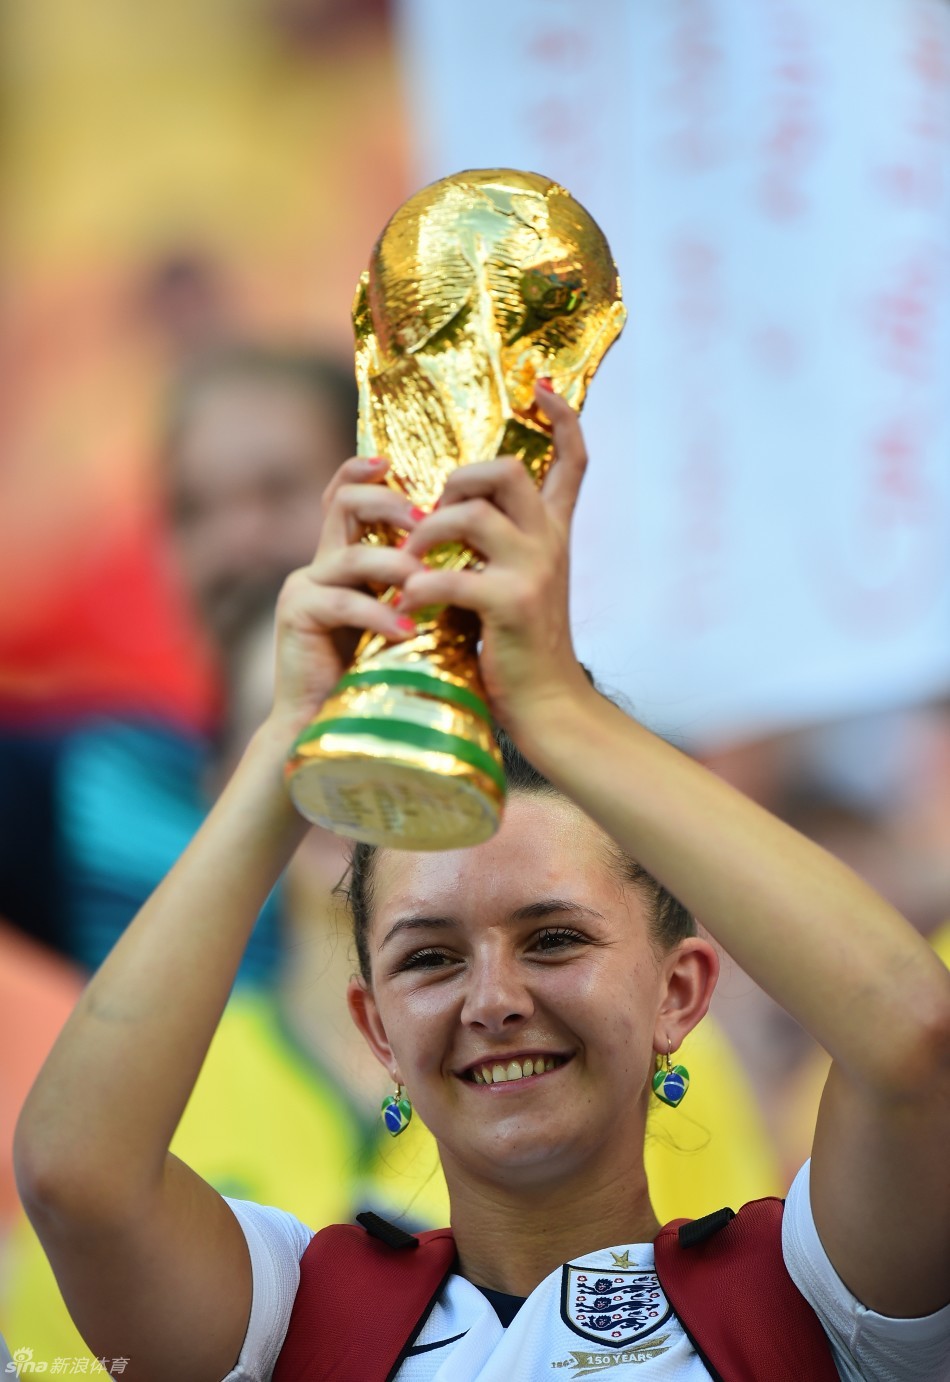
x=360, y=565
x=563, y=481
x=309, y=606
x=505, y=481
x=357, y=506
x=504, y=601
x=355, y=470
x=504, y=596
x=465, y=589
x=477, y=523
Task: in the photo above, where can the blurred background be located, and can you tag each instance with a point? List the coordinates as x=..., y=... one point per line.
x=762, y=553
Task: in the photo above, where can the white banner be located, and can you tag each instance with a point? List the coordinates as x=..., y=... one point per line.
x=764, y=536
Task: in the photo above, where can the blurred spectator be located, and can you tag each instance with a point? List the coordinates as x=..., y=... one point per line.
x=251, y=438
x=91, y=815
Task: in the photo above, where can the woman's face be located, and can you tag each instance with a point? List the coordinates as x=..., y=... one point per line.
x=523, y=949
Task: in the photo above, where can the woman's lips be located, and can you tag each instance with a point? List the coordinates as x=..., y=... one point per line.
x=514, y=1069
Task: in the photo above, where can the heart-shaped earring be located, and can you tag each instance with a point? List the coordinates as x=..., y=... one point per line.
x=670, y=1082
x=396, y=1111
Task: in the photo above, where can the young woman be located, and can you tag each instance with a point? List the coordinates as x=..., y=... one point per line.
x=521, y=992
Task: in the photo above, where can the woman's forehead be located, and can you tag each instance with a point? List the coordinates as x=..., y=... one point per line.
x=543, y=842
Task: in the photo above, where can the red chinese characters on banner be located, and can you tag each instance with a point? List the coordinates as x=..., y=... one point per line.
x=793, y=132
x=693, y=93
x=898, y=513
x=560, y=56
x=917, y=174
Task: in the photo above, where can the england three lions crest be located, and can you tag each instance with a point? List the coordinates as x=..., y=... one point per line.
x=612, y=1307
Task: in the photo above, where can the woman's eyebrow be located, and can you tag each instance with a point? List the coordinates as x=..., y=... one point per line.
x=532, y=911
x=411, y=923
x=547, y=906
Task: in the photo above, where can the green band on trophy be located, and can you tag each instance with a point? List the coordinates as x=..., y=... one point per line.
x=418, y=681
x=405, y=732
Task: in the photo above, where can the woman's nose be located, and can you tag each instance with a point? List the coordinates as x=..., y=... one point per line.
x=496, y=995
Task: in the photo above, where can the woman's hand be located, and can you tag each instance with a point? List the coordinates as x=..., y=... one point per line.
x=324, y=607
x=520, y=592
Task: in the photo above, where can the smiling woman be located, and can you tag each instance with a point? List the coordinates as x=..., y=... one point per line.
x=528, y=948
x=515, y=975
x=521, y=993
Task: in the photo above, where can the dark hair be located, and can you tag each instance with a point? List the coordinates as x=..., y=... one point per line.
x=669, y=920
x=325, y=380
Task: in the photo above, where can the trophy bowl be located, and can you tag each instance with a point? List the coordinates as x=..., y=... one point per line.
x=480, y=284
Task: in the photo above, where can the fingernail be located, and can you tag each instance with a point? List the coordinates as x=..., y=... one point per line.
x=417, y=513
x=406, y=623
x=402, y=541
x=396, y=600
x=545, y=383
x=375, y=460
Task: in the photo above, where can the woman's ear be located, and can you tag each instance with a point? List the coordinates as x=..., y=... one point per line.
x=690, y=972
x=364, y=1012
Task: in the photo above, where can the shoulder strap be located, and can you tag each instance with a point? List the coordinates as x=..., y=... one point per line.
x=363, y=1296
x=725, y=1277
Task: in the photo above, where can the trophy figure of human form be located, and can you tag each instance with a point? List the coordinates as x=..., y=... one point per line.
x=480, y=285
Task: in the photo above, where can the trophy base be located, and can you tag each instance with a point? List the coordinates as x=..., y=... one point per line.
x=387, y=765
x=391, y=804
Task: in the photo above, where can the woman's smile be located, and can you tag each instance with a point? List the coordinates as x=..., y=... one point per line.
x=499, y=1071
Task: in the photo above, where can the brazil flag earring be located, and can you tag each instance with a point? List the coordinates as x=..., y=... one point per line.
x=670, y=1082
x=396, y=1111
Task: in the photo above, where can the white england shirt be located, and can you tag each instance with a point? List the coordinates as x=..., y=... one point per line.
x=601, y=1314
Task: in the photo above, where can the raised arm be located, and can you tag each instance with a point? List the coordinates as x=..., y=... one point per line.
x=151, y=1262
x=837, y=957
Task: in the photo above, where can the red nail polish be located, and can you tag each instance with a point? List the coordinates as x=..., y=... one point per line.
x=417, y=513
x=406, y=623
x=396, y=600
x=402, y=541
x=545, y=383
x=375, y=460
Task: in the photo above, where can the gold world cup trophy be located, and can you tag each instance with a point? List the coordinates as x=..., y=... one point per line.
x=480, y=284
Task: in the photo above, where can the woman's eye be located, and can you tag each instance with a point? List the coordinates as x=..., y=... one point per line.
x=558, y=938
x=425, y=959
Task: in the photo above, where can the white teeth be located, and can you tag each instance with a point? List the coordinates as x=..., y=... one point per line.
x=515, y=1070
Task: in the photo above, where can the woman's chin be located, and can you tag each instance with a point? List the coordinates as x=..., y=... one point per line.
x=517, y=1155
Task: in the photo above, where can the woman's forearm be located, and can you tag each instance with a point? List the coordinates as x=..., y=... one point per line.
x=103, y=1110
x=828, y=948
